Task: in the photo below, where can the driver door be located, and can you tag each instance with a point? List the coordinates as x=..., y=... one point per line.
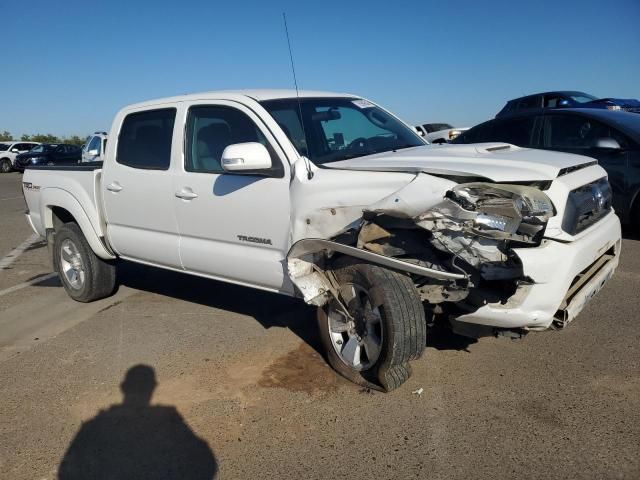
x=233, y=227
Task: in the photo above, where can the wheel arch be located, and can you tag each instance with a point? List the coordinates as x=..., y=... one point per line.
x=60, y=207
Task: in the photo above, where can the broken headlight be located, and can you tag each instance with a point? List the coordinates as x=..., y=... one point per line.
x=502, y=207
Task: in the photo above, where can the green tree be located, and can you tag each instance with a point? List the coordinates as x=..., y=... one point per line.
x=44, y=138
x=25, y=137
x=4, y=136
x=74, y=140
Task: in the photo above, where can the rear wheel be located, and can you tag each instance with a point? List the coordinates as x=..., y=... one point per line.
x=85, y=276
x=384, y=326
x=5, y=165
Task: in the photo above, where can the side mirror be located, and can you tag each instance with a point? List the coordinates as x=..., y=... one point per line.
x=15, y=150
x=246, y=157
x=93, y=153
x=607, y=143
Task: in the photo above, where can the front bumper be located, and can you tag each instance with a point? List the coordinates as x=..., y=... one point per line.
x=566, y=275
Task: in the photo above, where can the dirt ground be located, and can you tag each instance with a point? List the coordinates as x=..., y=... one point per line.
x=199, y=378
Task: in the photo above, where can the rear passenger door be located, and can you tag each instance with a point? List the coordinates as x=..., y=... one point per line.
x=137, y=189
x=232, y=227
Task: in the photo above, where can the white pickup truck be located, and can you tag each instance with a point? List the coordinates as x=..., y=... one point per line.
x=330, y=198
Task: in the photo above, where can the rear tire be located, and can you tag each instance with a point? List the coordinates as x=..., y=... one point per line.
x=5, y=165
x=388, y=330
x=85, y=276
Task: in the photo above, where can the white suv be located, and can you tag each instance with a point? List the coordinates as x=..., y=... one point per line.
x=93, y=149
x=9, y=150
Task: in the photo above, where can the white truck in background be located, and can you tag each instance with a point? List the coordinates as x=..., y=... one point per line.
x=94, y=148
x=439, y=132
x=347, y=209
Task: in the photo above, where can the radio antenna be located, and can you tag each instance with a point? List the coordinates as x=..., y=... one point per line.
x=295, y=82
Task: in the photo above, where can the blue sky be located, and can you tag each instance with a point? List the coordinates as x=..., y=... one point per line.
x=71, y=65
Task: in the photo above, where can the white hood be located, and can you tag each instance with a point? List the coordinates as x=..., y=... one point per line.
x=499, y=162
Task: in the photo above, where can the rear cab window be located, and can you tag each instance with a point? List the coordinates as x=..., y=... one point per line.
x=145, y=139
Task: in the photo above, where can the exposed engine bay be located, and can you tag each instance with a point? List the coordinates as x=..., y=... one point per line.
x=467, y=236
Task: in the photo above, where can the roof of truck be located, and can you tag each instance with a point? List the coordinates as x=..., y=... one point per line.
x=256, y=94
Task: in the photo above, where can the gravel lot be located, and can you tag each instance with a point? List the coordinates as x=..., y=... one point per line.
x=240, y=389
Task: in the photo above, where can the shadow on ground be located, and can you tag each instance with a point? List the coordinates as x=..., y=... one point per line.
x=269, y=309
x=137, y=440
x=631, y=233
x=441, y=337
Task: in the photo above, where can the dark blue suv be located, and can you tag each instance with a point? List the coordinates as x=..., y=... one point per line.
x=567, y=99
x=49, y=154
x=612, y=138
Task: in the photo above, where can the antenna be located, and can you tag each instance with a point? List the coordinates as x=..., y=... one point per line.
x=295, y=82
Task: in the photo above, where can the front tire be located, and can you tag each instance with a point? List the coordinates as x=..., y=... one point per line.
x=5, y=165
x=85, y=276
x=387, y=327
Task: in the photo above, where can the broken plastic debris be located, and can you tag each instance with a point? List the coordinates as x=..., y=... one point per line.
x=418, y=391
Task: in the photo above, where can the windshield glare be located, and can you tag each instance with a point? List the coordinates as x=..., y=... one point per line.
x=42, y=148
x=582, y=98
x=340, y=128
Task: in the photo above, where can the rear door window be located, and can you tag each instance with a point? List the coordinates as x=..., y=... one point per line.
x=517, y=131
x=145, y=139
x=573, y=131
x=530, y=102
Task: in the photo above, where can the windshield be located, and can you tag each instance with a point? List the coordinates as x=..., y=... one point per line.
x=42, y=148
x=4, y=147
x=580, y=97
x=340, y=128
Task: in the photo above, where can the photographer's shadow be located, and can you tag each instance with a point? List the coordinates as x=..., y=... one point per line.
x=135, y=440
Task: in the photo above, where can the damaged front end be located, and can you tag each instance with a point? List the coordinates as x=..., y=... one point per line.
x=458, y=250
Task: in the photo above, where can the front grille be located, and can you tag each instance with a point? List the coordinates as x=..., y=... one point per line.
x=586, y=205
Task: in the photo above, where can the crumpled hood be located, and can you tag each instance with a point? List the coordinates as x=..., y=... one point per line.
x=499, y=162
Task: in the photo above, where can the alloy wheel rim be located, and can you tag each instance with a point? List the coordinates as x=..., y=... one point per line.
x=356, y=340
x=72, y=265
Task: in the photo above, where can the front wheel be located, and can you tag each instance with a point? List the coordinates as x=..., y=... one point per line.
x=384, y=326
x=85, y=276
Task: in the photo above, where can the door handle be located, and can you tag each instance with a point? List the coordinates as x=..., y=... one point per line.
x=114, y=187
x=186, y=194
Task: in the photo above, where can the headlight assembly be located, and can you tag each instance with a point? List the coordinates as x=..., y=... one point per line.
x=474, y=221
x=502, y=207
x=497, y=211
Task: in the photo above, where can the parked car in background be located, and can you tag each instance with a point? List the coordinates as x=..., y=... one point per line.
x=49, y=154
x=93, y=149
x=438, y=132
x=567, y=99
x=9, y=150
x=611, y=137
